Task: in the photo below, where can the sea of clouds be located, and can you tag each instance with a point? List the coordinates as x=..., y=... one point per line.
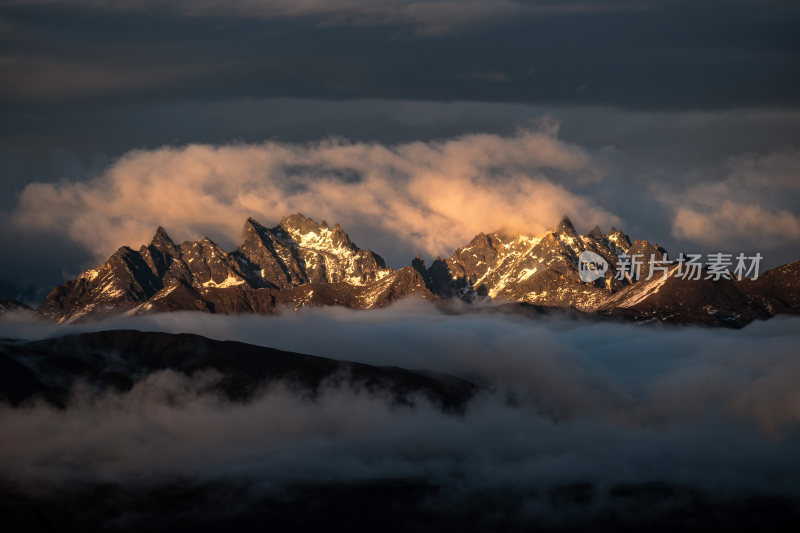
x=566, y=402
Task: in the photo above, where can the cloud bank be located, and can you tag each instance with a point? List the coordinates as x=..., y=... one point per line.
x=426, y=197
x=750, y=199
x=429, y=16
x=603, y=404
x=623, y=372
x=429, y=197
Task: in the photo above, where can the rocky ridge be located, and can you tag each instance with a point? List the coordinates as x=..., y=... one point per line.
x=300, y=262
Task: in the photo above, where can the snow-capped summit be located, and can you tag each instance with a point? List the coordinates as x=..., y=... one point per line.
x=299, y=262
x=538, y=269
x=297, y=252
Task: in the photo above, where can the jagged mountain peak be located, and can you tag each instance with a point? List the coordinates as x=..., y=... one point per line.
x=418, y=264
x=252, y=227
x=541, y=269
x=618, y=238
x=300, y=229
x=252, y=223
x=161, y=234
x=298, y=222
x=481, y=239
x=298, y=251
x=162, y=242
x=206, y=242
x=307, y=233
x=300, y=262
x=565, y=226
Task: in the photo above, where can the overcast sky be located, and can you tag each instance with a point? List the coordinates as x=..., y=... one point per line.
x=676, y=120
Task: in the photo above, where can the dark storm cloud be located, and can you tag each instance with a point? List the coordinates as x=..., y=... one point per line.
x=596, y=403
x=427, y=16
x=631, y=54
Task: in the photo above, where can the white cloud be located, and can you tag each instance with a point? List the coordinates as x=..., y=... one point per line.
x=749, y=200
x=420, y=197
x=599, y=403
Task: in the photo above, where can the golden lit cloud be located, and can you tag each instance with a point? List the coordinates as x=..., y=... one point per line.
x=428, y=197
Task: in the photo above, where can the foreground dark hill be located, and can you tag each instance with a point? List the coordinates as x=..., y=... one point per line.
x=116, y=359
x=299, y=263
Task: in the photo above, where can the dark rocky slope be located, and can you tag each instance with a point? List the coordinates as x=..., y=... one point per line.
x=117, y=359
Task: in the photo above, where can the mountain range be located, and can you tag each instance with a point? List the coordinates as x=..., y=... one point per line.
x=300, y=262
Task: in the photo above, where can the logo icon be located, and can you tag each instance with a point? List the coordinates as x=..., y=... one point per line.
x=591, y=266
